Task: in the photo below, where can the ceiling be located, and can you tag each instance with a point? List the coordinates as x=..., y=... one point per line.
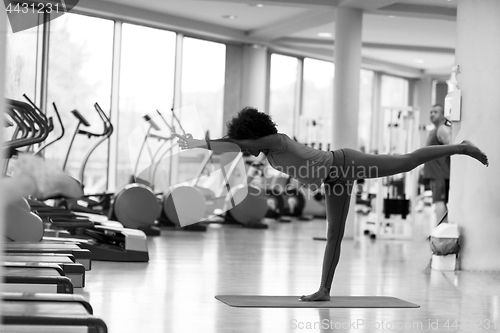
x=405, y=37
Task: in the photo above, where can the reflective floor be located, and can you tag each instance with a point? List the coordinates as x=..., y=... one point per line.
x=175, y=291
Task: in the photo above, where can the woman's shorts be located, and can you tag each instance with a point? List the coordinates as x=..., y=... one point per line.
x=338, y=163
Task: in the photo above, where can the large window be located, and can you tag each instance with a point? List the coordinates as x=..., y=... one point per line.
x=365, y=109
x=146, y=85
x=203, y=68
x=317, y=105
x=396, y=120
x=202, y=98
x=283, y=90
x=79, y=75
x=394, y=91
x=20, y=69
x=21, y=63
x=315, y=120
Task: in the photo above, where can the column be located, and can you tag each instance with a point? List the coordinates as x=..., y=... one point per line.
x=474, y=189
x=255, y=77
x=247, y=80
x=3, y=33
x=348, y=24
x=375, y=126
x=232, y=87
x=422, y=101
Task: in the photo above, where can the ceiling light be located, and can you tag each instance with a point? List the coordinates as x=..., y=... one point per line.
x=229, y=17
x=325, y=34
x=258, y=5
x=392, y=16
x=418, y=61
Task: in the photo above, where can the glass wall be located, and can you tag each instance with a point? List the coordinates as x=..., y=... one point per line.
x=283, y=90
x=146, y=85
x=313, y=124
x=315, y=121
x=203, y=71
x=365, y=109
x=79, y=75
x=394, y=92
x=21, y=63
x=394, y=115
x=201, y=99
x=21, y=69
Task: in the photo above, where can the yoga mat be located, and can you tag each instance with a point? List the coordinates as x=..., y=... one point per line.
x=252, y=301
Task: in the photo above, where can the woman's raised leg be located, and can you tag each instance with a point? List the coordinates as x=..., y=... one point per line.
x=360, y=165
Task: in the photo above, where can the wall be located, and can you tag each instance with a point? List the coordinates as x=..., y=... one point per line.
x=474, y=193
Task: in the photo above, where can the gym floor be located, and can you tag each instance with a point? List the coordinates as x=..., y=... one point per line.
x=175, y=291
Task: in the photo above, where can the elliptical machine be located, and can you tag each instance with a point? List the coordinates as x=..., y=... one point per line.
x=104, y=242
x=32, y=128
x=133, y=205
x=243, y=203
x=182, y=205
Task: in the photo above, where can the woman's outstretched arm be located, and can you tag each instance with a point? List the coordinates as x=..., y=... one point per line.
x=272, y=141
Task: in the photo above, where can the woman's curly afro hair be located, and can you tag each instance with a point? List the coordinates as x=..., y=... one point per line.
x=250, y=124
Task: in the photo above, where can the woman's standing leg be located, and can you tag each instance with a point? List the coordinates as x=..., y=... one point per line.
x=338, y=197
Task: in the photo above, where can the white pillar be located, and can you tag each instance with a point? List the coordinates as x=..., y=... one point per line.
x=115, y=101
x=233, y=80
x=348, y=24
x=474, y=189
x=375, y=126
x=422, y=101
x=255, y=77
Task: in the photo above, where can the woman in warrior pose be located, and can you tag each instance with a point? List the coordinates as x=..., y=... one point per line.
x=254, y=132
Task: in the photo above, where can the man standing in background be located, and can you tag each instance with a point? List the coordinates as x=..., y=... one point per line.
x=438, y=171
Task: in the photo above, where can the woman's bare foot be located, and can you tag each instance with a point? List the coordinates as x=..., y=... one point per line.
x=322, y=294
x=475, y=152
